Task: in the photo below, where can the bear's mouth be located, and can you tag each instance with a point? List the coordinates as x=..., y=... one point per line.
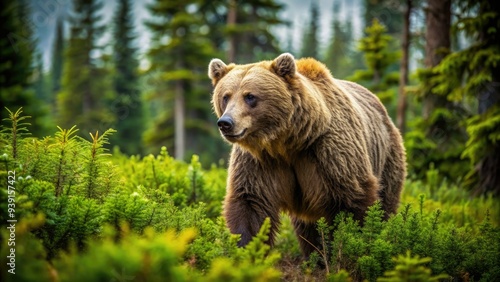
x=234, y=137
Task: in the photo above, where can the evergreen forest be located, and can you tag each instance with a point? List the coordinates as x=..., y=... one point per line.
x=113, y=168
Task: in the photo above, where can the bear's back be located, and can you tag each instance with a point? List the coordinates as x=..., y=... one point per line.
x=312, y=69
x=378, y=125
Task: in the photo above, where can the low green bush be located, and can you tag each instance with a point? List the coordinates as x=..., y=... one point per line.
x=86, y=214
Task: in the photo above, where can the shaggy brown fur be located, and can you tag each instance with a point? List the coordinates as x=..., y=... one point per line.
x=305, y=143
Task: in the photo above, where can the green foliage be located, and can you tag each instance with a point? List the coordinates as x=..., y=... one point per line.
x=438, y=141
x=128, y=106
x=155, y=257
x=422, y=233
x=287, y=243
x=17, y=67
x=16, y=130
x=253, y=262
x=455, y=202
x=448, y=231
x=28, y=251
x=410, y=268
x=341, y=276
x=257, y=256
x=474, y=74
x=437, y=138
x=380, y=60
x=179, y=44
x=84, y=209
x=85, y=90
x=85, y=213
x=95, y=173
x=484, y=137
x=484, y=250
x=483, y=132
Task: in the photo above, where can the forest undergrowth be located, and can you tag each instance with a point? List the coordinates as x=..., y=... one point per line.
x=83, y=213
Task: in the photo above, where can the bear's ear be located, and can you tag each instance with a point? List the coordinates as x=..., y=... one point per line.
x=284, y=65
x=216, y=70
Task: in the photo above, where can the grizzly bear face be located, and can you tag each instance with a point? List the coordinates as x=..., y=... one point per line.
x=253, y=102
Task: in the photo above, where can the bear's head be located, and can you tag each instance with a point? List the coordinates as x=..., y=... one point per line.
x=254, y=102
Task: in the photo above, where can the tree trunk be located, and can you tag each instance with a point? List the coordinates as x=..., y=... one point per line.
x=231, y=21
x=179, y=135
x=180, y=109
x=438, y=24
x=403, y=76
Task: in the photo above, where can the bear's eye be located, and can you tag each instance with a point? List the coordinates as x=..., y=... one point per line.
x=251, y=100
x=224, y=100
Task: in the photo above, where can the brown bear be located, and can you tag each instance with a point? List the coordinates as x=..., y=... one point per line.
x=304, y=143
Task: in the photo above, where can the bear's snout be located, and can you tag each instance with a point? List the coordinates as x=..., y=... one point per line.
x=226, y=124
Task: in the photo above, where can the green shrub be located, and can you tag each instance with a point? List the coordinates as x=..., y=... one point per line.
x=410, y=269
x=89, y=215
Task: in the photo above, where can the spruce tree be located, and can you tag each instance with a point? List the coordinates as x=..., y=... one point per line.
x=377, y=47
x=16, y=66
x=179, y=51
x=437, y=138
x=85, y=90
x=128, y=106
x=310, y=42
x=474, y=73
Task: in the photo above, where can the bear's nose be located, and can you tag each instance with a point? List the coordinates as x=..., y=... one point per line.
x=225, y=123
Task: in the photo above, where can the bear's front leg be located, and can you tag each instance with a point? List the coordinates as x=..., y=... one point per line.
x=245, y=214
x=254, y=192
x=308, y=236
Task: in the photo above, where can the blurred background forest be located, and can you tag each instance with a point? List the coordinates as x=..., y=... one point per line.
x=140, y=67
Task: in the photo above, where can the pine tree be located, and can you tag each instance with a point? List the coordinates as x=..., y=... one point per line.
x=437, y=138
x=379, y=56
x=128, y=106
x=85, y=89
x=310, y=39
x=178, y=53
x=16, y=66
